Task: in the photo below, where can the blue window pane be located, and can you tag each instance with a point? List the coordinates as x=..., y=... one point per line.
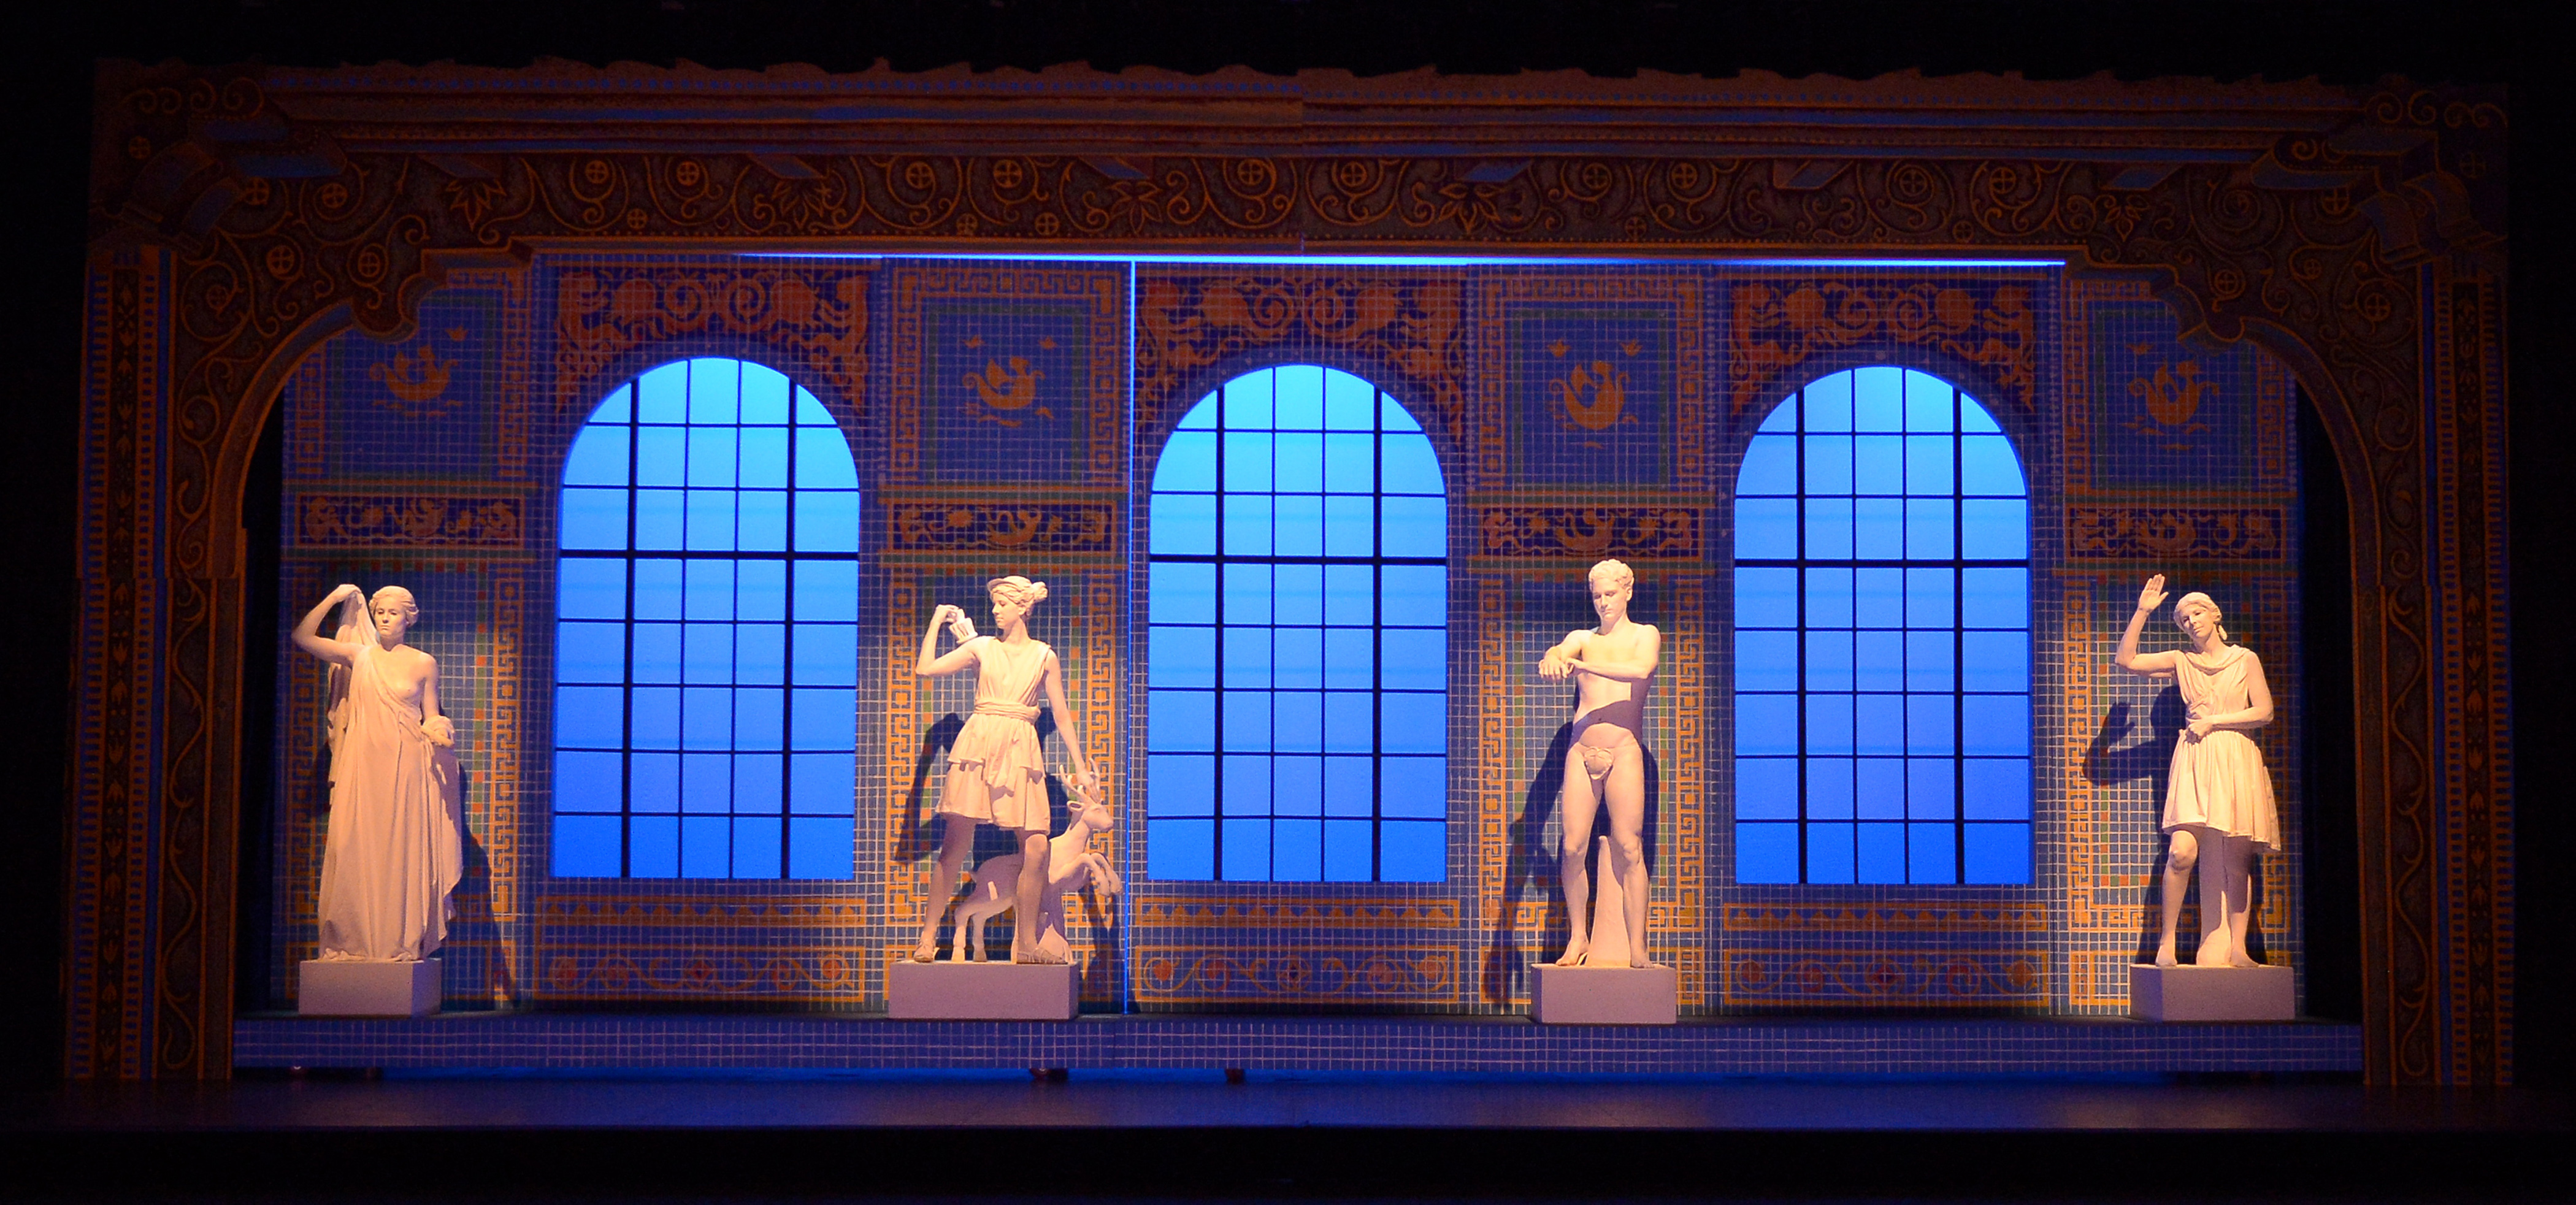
x=1928, y=598
x=1410, y=466
x=598, y=457
x=1927, y=465
x=1349, y=659
x=709, y=591
x=589, y=782
x=1180, y=850
x=1766, y=660
x=1349, y=851
x=706, y=846
x=653, y=847
x=1392, y=416
x=826, y=521
x=1247, y=656
x=1350, y=404
x=820, y=785
x=1409, y=851
x=1350, y=464
x=1297, y=594
x=586, y=846
x=1931, y=788
x=822, y=719
x=1878, y=661
x=1997, y=725
x=1973, y=417
x=711, y=457
x=1829, y=788
x=1878, y=464
x=1350, y=596
x=1350, y=526
x=1766, y=529
x=1879, y=853
x=1246, y=848
x=1180, y=721
x=1188, y=462
x=1878, y=724
x=757, y=786
x=657, y=652
x=1183, y=524
x=1928, y=661
x=1297, y=658
x=653, y=782
x=1878, y=401
x=1996, y=661
x=826, y=590
x=658, y=519
x=710, y=520
x=653, y=717
x=1247, y=719
x=662, y=456
x=715, y=388
x=1183, y=785
x=826, y=654
x=1878, y=598
x=1416, y=595
x=1766, y=724
x=820, y=847
x=1829, y=403
x=1931, y=853
x=662, y=395
x=1350, y=789
x=1783, y=419
x=1998, y=853
x=1927, y=403
x=1829, y=724
x=1414, y=723
x=1988, y=467
x=760, y=521
x=1998, y=789
x=614, y=409
x=1829, y=465
x=1181, y=656
x=1930, y=723
x=1297, y=720
x=1414, y=659
x=1297, y=397
x=766, y=394
x=1766, y=598
x=1927, y=529
x=1770, y=467
x=1182, y=593
x=590, y=652
x=1414, y=787
x=1296, y=851
x=707, y=653
x=1202, y=415
x=1829, y=853
x=1878, y=788
x=1246, y=458
x=760, y=589
x=1248, y=521
x=1766, y=788
x=1297, y=783
x=1766, y=853
x=1878, y=529
x=760, y=654
x=706, y=718
x=1348, y=722
x=1300, y=525
x=1994, y=529
x=1829, y=528
x=1829, y=660
x=1829, y=598
x=1247, y=400
x=810, y=411
x=759, y=718
x=658, y=593
x=1416, y=526
x=823, y=460
x=594, y=518
x=706, y=782
x=1247, y=594
x=1994, y=598
x=591, y=588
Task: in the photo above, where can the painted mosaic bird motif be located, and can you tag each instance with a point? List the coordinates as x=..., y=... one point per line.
x=1007, y=389
x=1593, y=395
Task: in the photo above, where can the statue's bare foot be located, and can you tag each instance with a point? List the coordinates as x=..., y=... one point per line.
x=1641, y=960
x=927, y=951
x=1573, y=955
x=2241, y=959
x=1039, y=957
x=2165, y=955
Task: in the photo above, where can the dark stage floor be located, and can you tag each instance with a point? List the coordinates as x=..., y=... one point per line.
x=803, y=1134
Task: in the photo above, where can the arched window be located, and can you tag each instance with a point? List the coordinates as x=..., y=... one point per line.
x=1298, y=601
x=1882, y=639
x=706, y=643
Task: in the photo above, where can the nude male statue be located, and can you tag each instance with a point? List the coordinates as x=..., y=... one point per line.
x=1612, y=665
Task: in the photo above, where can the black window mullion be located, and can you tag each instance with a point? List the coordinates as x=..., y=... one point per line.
x=1377, y=634
x=1958, y=646
x=1798, y=582
x=787, y=643
x=1216, y=775
x=626, y=687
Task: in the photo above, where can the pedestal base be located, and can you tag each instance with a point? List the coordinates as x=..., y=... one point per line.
x=1604, y=996
x=2194, y=993
x=367, y=989
x=981, y=991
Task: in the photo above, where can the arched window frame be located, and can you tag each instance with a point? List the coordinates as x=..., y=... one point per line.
x=1197, y=505
x=1800, y=769
x=758, y=668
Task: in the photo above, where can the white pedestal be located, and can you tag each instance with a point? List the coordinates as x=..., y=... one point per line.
x=1604, y=996
x=367, y=989
x=981, y=991
x=2195, y=993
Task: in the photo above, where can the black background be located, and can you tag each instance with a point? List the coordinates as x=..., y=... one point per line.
x=51, y=47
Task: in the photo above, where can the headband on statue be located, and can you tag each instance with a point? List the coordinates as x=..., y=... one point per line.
x=1016, y=586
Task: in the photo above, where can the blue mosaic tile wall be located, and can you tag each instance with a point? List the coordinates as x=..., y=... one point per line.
x=1004, y=415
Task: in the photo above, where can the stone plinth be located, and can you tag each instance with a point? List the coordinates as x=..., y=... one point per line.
x=2196, y=993
x=981, y=991
x=1561, y=995
x=367, y=989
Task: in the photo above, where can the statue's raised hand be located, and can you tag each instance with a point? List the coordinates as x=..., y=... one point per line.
x=2154, y=595
x=346, y=591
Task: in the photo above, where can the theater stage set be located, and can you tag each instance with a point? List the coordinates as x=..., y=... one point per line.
x=355, y=325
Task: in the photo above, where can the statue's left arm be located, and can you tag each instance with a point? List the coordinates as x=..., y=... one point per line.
x=1064, y=723
x=1637, y=666
x=433, y=721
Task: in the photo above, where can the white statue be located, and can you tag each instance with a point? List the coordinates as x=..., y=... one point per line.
x=996, y=774
x=393, y=851
x=1612, y=665
x=1072, y=866
x=2218, y=807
